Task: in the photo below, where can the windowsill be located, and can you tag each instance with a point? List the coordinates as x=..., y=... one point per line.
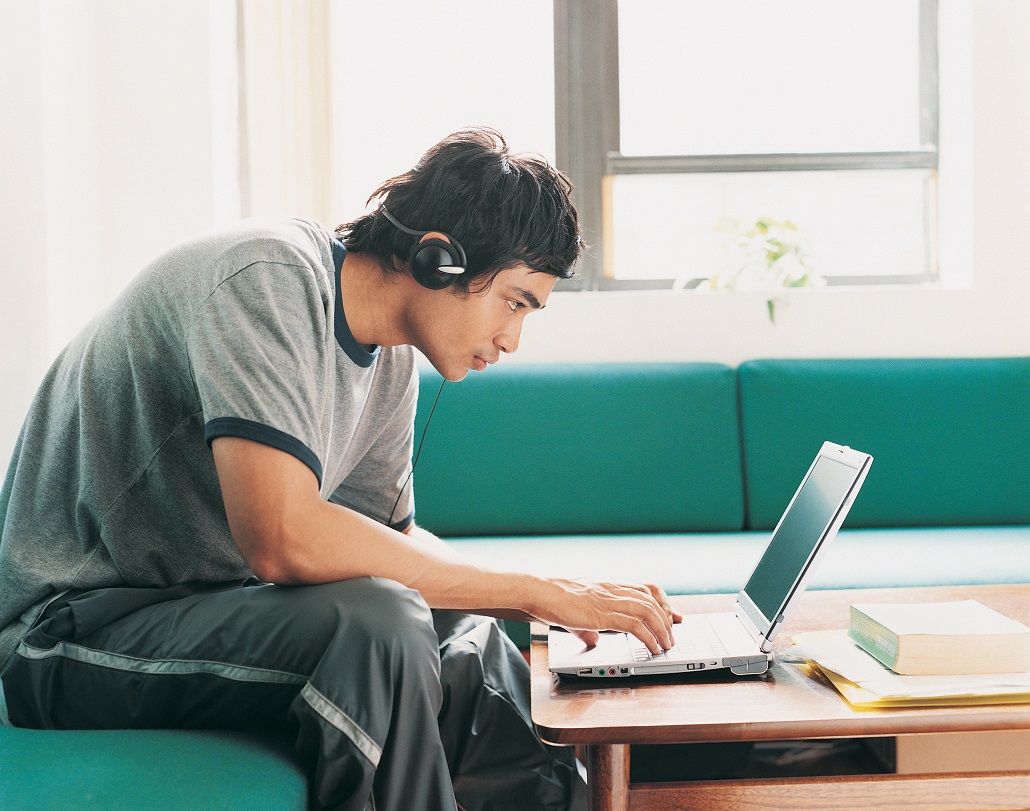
x=898, y=288
x=929, y=320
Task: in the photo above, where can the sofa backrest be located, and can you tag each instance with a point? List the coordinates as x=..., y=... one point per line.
x=950, y=437
x=581, y=448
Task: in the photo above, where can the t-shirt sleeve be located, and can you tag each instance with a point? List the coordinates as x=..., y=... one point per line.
x=380, y=484
x=257, y=350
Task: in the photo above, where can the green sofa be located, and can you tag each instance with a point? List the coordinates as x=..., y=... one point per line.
x=676, y=472
x=670, y=472
x=146, y=770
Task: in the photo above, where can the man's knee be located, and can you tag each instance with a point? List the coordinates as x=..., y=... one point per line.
x=371, y=615
x=392, y=615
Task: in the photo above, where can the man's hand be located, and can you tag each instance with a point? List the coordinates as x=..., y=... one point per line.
x=586, y=608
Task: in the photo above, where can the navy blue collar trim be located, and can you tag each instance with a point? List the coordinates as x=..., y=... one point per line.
x=344, y=337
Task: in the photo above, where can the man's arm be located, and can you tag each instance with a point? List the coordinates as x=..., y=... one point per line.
x=289, y=535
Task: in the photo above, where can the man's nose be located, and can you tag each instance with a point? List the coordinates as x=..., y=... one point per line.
x=508, y=339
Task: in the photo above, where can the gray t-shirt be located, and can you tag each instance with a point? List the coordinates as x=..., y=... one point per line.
x=238, y=333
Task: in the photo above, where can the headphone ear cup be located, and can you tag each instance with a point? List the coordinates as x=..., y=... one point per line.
x=426, y=258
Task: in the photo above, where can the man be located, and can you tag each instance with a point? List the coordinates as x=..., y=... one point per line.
x=208, y=520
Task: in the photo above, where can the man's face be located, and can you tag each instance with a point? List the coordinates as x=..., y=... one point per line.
x=458, y=334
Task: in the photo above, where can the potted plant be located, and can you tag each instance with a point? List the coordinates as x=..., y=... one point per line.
x=766, y=255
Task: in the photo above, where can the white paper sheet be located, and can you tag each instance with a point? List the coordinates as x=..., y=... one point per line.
x=834, y=651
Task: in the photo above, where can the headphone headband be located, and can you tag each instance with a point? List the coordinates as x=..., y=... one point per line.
x=399, y=225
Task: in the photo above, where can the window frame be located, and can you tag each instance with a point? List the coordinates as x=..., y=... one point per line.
x=587, y=135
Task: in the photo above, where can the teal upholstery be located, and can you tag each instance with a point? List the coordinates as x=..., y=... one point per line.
x=581, y=448
x=950, y=437
x=620, y=470
x=43, y=770
x=721, y=562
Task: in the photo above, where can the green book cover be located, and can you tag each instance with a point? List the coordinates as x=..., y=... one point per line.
x=873, y=638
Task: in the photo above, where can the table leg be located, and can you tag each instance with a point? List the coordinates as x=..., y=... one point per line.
x=608, y=777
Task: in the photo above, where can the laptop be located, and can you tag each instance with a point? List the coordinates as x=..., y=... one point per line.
x=740, y=641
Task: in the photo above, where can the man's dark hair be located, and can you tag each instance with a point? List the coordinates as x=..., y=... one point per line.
x=504, y=209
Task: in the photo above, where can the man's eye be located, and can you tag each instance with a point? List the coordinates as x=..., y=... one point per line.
x=514, y=304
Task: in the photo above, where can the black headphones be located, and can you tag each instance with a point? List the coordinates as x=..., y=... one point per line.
x=434, y=263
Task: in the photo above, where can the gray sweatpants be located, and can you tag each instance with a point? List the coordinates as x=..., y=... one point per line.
x=391, y=705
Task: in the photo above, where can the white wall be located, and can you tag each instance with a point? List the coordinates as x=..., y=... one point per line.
x=22, y=218
x=115, y=140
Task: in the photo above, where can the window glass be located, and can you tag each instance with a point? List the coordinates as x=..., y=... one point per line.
x=750, y=76
x=847, y=223
x=406, y=73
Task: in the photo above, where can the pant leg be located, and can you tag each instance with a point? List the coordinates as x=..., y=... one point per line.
x=497, y=760
x=350, y=670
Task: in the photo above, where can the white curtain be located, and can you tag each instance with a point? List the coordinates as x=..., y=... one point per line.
x=117, y=140
x=285, y=108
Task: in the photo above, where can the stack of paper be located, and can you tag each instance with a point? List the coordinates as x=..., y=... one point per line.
x=865, y=682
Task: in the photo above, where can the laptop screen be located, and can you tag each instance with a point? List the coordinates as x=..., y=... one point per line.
x=798, y=535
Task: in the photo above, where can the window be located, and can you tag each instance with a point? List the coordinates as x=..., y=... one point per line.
x=695, y=131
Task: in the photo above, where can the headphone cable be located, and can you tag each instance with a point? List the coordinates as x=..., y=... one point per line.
x=418, y=453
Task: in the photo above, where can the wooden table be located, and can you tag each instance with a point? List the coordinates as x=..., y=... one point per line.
x=790, y=702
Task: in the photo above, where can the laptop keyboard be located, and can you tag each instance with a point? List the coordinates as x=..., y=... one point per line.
x=696, y=638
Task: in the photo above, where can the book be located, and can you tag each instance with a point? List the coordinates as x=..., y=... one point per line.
x=931, y=639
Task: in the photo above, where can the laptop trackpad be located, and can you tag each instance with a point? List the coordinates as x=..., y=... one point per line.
x=611, y=648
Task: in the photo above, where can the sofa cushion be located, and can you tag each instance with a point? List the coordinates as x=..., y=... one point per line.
x=146, y=769
x=925, y=556
x=950, y=437
x=581, y=448
x=722, y=562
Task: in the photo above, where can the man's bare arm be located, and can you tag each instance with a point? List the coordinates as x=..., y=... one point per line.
x=587, y=635
x=289, y=535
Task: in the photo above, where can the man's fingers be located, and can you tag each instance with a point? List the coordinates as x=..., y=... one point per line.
x=647, y=635
x=641, y=602
x=649, y=624
x=663, y=600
